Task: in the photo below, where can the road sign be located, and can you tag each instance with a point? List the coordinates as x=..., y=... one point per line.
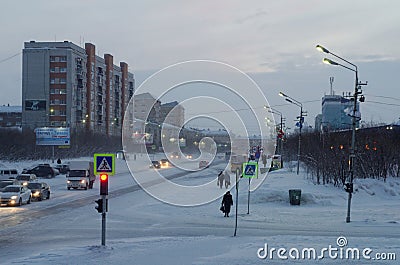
x=52, y=136
x=250, y=170
x=104, y=163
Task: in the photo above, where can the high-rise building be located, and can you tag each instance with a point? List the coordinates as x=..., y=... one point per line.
x=173, y=113
x=10, y=116
x=66, y=85
x=337, y=113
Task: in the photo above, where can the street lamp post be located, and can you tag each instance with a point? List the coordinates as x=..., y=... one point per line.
x=297, y=103
x=279, y=138
x=357, y=91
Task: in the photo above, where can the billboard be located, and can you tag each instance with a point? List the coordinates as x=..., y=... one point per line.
x=35, y=105
x=52, y=136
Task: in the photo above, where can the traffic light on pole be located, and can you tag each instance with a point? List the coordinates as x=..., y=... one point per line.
x=348, y=187
x=99, y=206
x=103, y=184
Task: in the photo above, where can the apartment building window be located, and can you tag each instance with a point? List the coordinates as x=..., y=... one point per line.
x=58, y=58
x=63, y=70
x=63, y=81
x=58, y=91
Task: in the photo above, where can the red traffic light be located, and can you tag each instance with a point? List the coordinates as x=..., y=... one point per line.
x=103, y=184
x=103, y=177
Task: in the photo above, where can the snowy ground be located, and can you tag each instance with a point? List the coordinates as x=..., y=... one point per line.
x=143, y=230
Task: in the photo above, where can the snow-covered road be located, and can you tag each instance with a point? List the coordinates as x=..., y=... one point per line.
x=143, y=230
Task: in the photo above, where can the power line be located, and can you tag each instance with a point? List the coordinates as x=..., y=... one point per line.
x=383, y=97
x=9, y=58
x=382, y=103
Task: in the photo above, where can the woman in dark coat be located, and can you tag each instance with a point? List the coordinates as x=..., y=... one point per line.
x=227, y=202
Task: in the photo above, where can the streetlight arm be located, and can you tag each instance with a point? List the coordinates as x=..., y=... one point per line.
x=322, y=49
x=293, y=101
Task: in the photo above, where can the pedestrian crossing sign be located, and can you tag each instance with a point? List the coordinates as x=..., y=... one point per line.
x=250, y=170
x=104, y=163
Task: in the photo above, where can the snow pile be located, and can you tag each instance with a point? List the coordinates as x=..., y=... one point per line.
x=372, y=187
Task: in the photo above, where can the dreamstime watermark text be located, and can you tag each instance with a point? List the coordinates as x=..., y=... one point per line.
x=339, y=251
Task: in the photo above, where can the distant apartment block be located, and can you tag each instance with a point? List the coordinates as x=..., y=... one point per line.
x=66, y=85
x=173, y=113
x=10, y=116
x=151, y=117
x=337, y=113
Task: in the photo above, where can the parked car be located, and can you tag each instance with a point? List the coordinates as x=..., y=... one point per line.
x=24, y=179
x=8, y=173
x=40, y=190
x=42, y=171
x=63, y=168
x=13, y=195
x=7, y=182
x=155, y=164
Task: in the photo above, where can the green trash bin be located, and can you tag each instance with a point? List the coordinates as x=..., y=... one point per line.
x=295, y=197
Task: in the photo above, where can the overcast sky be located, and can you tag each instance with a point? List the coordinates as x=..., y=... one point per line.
x=273, y=41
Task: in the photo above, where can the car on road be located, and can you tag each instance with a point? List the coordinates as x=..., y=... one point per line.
x=42, y=171
x=175, y=155
x=204, y=164
x=15, y=195
x=155, y=164
x=24, y=179
x=164, y=163
x=40, y=190
x=7, y=182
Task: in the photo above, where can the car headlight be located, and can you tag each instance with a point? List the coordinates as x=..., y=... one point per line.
x=68, y=181
x=36, y=194
x=83, y=181
x=14, y=197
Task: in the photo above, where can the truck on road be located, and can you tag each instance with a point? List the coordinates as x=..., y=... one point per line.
x=80, y=175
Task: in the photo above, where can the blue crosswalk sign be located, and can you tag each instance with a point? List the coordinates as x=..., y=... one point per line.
x=104, y=163
x=250, y=170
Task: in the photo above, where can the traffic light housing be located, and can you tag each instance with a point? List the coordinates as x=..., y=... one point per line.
x=99, y=206
x=103, y=184
x=348, y=187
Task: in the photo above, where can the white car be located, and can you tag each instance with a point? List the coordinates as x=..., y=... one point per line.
x=15, y=195
x=24, y=179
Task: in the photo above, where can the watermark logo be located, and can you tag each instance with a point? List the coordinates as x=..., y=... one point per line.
x=340, y=251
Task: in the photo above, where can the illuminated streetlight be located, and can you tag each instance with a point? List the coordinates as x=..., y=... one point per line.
x=357, y=91
x=301, y=119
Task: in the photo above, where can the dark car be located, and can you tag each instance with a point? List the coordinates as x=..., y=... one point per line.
x=155, y=164
x=42, y=171
x=40, y=190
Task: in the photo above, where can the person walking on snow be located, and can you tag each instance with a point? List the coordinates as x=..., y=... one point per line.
x=227, y=178
x=220, y=180
x=227, y=202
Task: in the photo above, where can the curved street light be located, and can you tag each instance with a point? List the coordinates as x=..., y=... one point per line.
x=357, y=87
x=299, y=104
x=279, y=140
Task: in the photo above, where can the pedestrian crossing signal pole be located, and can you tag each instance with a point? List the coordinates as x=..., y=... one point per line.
x=237, y=198
x=103, y=194
x=248, y=199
